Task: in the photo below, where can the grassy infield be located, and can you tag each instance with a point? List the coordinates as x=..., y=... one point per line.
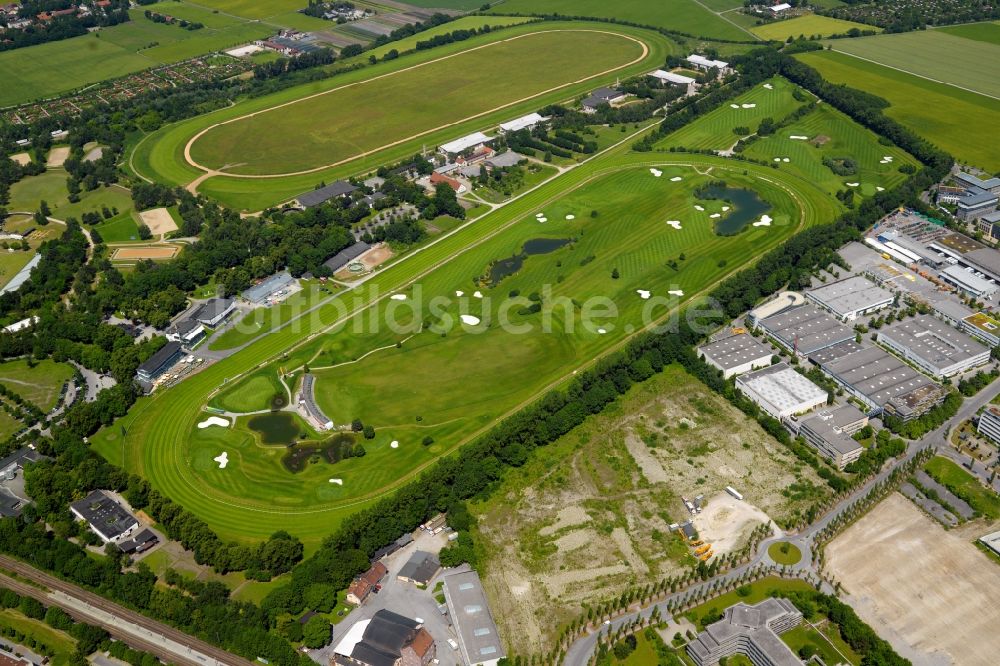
x=477, y=377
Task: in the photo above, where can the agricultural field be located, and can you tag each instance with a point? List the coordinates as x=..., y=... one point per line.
x=505, y=72
x=810, y=25
x=40, y=382
x=160, y=156
x=988, y=32
x=934, y=54
x=480, y=373
x=941, y=113
x=682, y=15
x=464, y=23
x=590, y=513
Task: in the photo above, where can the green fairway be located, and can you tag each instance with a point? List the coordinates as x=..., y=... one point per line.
x=682, y=15
x=253, y=9
x=253, y=393
x=935, y=54
x=363, y=117
x=941, y=113
x=988, y=32
x=39, y=383
x=262, y=320
x=160, y=156
x=450, y=388
x=810, y=25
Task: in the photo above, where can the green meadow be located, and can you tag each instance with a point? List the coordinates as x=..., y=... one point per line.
x=988, y=31
x=809, y=25
x=39, y=383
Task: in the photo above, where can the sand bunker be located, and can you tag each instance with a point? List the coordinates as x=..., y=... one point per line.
x=222, y=459
x=571, y=217
x=785, y=159
x=477, y=294
x=213, y=421
x=880, y=189
x=769, y=86
x=469, y=319
x=697, y=207
x=23, y=159
x=676, y=292
x=725, y=209
x=158, y=220
x=675, y=179
x=643, y=293
x=543, y=220
x=764, y=221
x=676, y=224
x=459, y=293
x=749, y=106
x=852, y=184
x=735, y=106
x=57, y=156
x=887, y=158
x=715, y=215
x=339, y=482
x=394, y=444
x=777, y=159
x=655, y=172
x=798, y=137
x=398, y=297
x=601, y=331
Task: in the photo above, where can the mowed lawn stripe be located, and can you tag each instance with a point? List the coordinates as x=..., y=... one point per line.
x=346, y=122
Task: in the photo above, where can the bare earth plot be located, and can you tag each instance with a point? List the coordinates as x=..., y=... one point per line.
x=23, y=159
x=57, y=156
x=929, y=592
x=158, y=220
x=137, y=253
x=590, y=514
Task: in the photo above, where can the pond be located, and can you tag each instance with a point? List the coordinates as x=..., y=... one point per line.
x=275, y=428
x=505, y=267
x=747, y=207
x=333, y=450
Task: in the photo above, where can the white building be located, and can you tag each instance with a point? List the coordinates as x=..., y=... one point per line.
x=703, y=63
x=524, y=122
x=989, y=423
x=781, y=391
x=851, y=298
x=736, y=354
x=934, y=346
x=779, y=8
x=966, y=280
x=462, y=144
x=671, y=77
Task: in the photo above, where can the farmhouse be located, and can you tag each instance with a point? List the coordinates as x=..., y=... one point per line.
x=736, y=354
x=830, y=430
x=363, y=585
x=473, y=141
x=524, y=122
x=475, y=156
x=159, y=363
x=851, y=298
x=386, y=639
x=346, y=256
x=989, y=423
x=420, y=568
x=441, y=178
x=470, y=612
x=106, y=518
x=781, y=391
x=749, y=630
x=707, y=64
x=337, y=189
x=933, y=346
x=805, y=329
x=601, y=96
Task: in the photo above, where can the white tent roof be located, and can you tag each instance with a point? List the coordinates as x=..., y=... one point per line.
x=352, y=638
x=780, y=8
x=521, y=123
x=670, y=77
x=706, y=62
x=458, y=145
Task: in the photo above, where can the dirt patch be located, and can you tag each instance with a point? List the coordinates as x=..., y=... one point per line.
x=57, y=156
x=148, y=252
x=158, y=220
x=23, y=159
x=650, y=466
x=926, y=590
x=370, y=260
x=567, y=517
x=820, y=140
x=726, y=522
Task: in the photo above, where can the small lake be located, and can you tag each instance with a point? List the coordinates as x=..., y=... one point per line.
x=333, y=450
x=505, y=267
x=275, y=428
x=747, y=208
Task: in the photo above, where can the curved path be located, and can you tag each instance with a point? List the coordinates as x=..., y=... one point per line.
x=209, y=172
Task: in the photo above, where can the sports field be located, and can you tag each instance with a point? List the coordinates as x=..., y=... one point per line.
x=348, y=121
x=935, y=54
x=451, y=387
x=682, y=15
x=810, y=25
x=160, y=156
x=943, y=114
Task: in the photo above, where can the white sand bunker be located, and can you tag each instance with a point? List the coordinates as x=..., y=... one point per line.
x=222, y=459
x=715, y=215
x=764, y=221
x=749, y=106
x=459, y=293
x=676, y=292
x=655, y=172
x=394, y=444
x=469, y=319
x=785, y=159
x=735, y=106
x=676, y=224
x=539, y=214
x=725, y=209
x=398, y=297
x=675, y=179
x=543, y=220
x=697, y=207
x=852, y=184
x=887, y=158
x=769, y=86
x=798, y=137
x=213, y=421
x=571, y=217
x=477, y=294
x=601, y=331
x=643, y=293
x=880, y=189
x=339, y=482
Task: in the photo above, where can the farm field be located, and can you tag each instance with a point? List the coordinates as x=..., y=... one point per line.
x=681, y=15
x=504, y=71
x=898, y=567
x=941, y=113
x=809, y=25
x=464, y=23
x=160, y=156
x=497, y=375
x=591, y=511
x=39, y=383
x=988, y=31
x=937, y=55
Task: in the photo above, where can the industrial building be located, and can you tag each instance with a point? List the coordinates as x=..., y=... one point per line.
x=878, y=379
x=830, y=430
x=454, y=148
x=672, y=78
x=934, y=346
x=524, y=122
x=991, y=541
x=749, y=630
x=805, y=329
x=736, y=354
x=707, y=64
x=951, y=311
x=982, y=326
x=989, y=423
x=592, y=102
x=851, y=298
x=263, y=291
x=966, y=281
x=781, y=391
x=470, y=612
x=780, y=303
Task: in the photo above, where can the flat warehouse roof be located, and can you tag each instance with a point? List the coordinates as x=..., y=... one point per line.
x=735, y=351
x=877, y=374
x=933, y=340
x=968, y=280
x=671, y=77
x=807, y=328
x=458, y=145
x=783, y=387
x=851, y=295
x=984, y=323
x=470, y=612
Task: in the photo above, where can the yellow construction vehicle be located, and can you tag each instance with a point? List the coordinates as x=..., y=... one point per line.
x=706, y=556
x=696, y=542
x=739, y=330
x=701, y=550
